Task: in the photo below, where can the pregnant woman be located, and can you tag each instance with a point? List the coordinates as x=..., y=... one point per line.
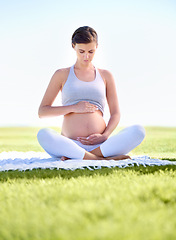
x=85, y=90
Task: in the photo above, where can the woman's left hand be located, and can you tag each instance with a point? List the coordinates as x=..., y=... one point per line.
x=92, y=139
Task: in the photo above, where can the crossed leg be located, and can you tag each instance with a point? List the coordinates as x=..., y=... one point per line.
x=122, y=143
x=97, y=155
x=97, y=152
x=116, y=147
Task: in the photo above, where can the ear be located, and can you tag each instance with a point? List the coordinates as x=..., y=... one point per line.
x=73, y=45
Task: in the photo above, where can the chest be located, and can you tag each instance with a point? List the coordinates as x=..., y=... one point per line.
x=86, y=76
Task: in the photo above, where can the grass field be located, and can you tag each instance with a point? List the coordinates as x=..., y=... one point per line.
x=131, y=203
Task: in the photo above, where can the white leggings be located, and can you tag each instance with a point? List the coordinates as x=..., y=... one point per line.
x=122, y=143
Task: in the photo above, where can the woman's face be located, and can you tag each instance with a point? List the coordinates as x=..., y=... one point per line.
x=85, y=52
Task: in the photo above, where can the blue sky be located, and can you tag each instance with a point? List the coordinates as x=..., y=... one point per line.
x=136, y=43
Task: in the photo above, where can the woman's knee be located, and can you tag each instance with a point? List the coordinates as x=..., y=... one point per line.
x=47, y=136
x=139, y=131
x=42, y=134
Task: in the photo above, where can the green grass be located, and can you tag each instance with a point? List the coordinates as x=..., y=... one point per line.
x=131, y=203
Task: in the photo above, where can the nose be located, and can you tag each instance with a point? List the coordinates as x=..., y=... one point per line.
x=86, y=56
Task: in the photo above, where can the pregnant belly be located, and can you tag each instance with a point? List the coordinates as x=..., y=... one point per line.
x=82, y=125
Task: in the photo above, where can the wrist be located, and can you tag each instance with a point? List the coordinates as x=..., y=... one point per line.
x=105, y=136
x=72, y=108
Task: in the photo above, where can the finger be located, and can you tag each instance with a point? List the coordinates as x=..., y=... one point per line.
x=91, y=141
x=91, y=109
x=91, y=106
x=83, y=140
x=86, y=142
x=92, y=138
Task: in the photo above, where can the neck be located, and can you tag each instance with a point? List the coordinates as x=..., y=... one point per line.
x=83, y=66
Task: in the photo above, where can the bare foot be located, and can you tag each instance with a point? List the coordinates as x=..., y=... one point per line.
x=120, y=157
x=64, y=158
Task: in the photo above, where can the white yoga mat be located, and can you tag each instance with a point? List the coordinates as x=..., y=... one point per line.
x=32, y=160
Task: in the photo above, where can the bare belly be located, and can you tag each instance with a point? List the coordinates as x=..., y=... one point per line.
x=83, y=124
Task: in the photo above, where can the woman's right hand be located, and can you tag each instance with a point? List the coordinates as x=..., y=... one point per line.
x=85, y=107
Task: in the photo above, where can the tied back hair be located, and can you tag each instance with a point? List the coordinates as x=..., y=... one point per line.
x=85, y=35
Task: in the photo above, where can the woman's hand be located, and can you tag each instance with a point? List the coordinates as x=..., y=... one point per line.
x=92, y=139
x=84, y=107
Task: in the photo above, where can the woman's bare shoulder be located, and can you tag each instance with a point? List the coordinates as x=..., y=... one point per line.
x=104, y=71
x=60, y=76
x=105, y=74
x=62, y=72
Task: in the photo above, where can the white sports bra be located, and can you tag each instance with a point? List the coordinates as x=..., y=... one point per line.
x=76, y=90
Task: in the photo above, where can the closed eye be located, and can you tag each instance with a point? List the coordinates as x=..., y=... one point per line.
x=82, y=51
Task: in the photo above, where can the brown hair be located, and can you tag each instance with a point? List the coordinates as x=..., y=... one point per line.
x=84, y=35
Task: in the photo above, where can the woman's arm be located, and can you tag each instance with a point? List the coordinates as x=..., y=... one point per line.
x=112, y=99
x=56, y=84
